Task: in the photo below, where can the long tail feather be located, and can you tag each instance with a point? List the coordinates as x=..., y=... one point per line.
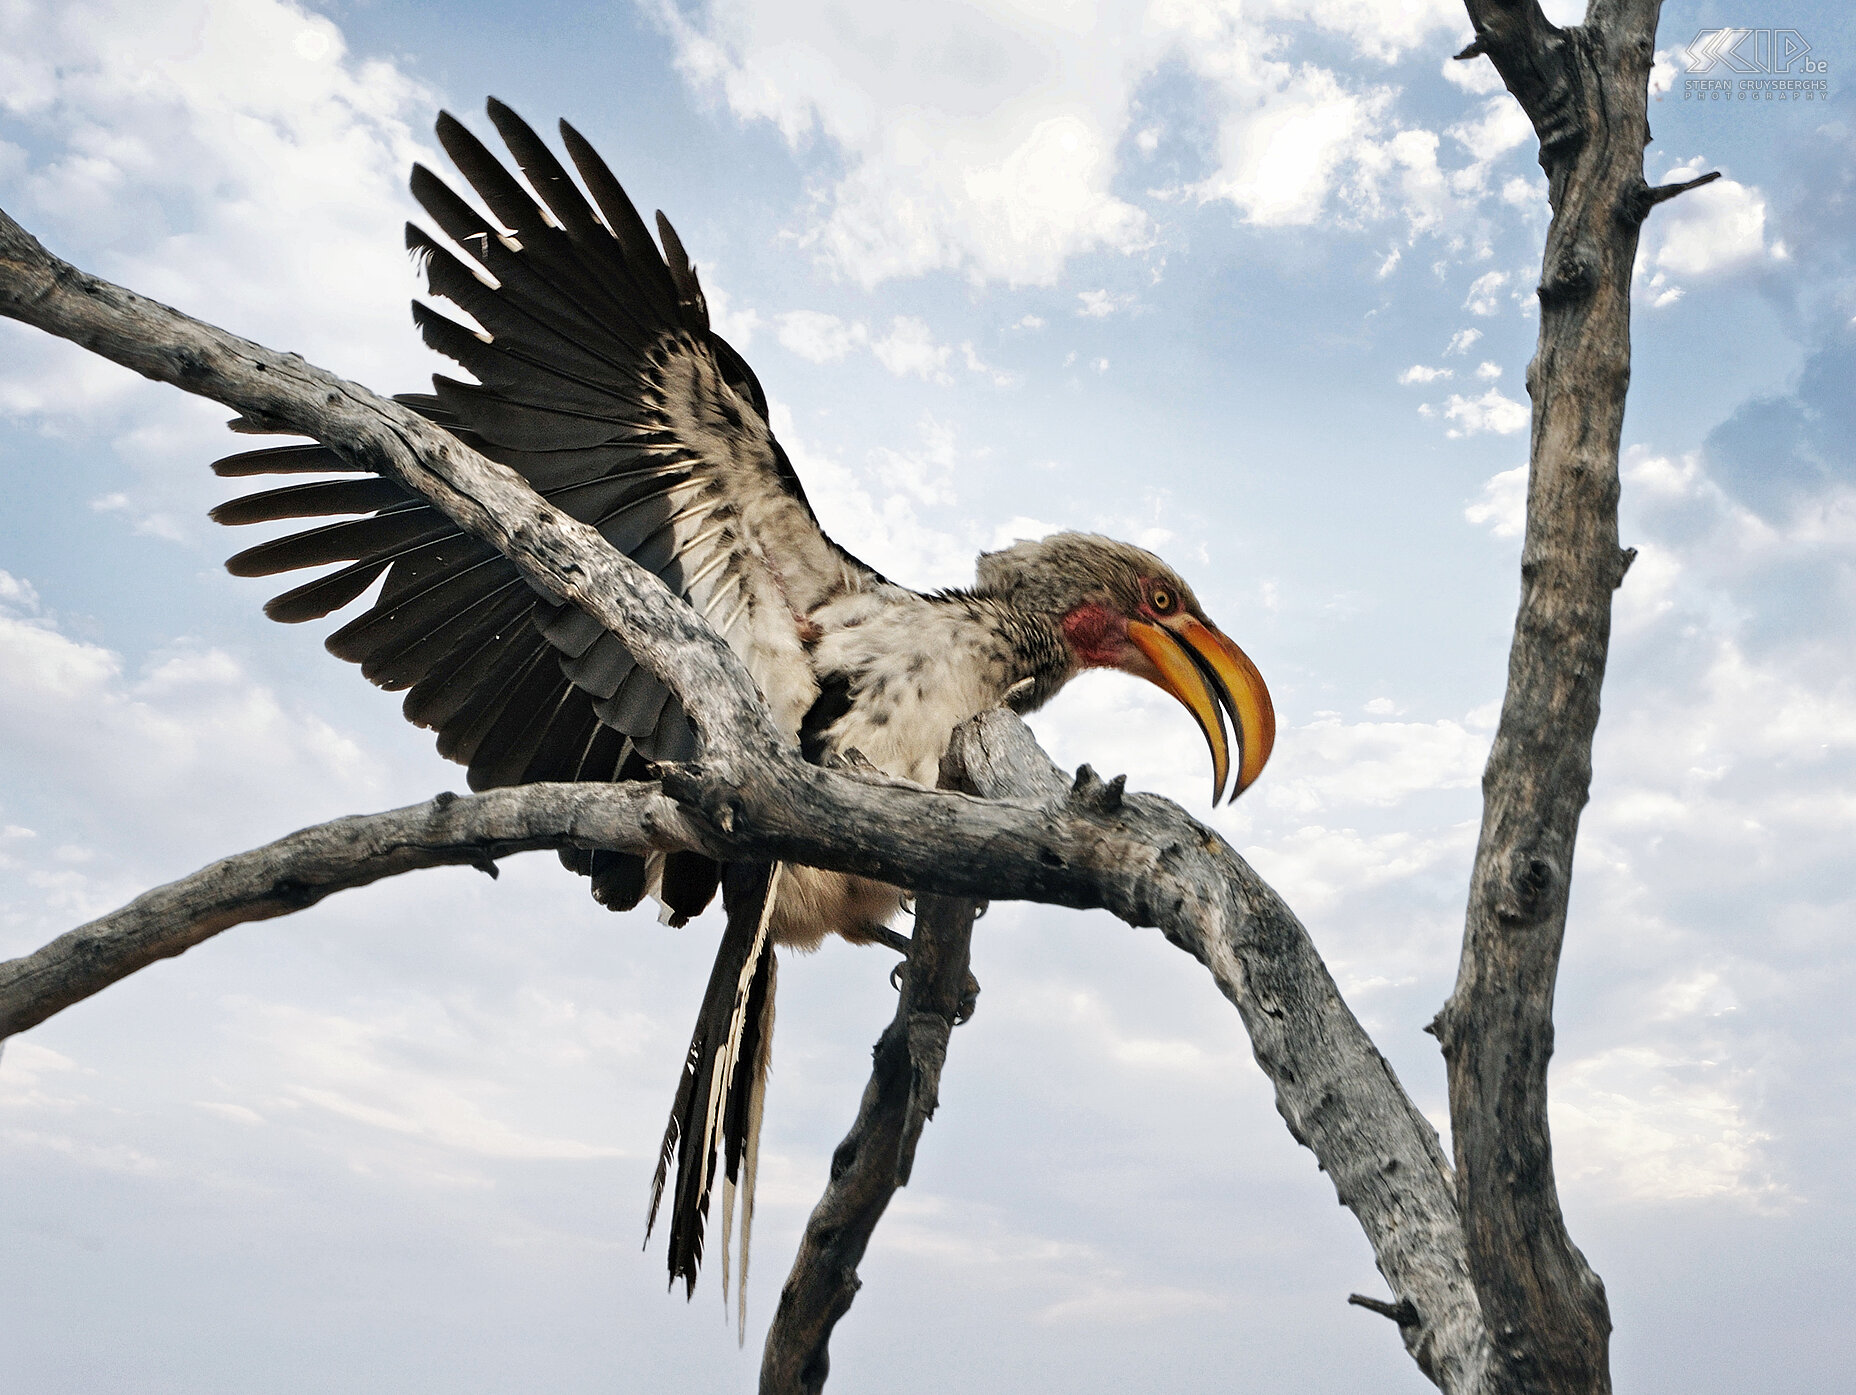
x=750, y=1161
x=724, y=1074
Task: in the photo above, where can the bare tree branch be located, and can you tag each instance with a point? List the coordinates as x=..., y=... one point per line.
x=296, y=872
x=1586, y=91
x=878, y=1154
x=1400, y=1312
x=1662, y=193
x=1035, y=836
x=1337, y=1094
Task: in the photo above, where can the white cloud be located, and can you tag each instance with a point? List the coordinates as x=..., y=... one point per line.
x=1280, y=166
x=306, y=148
x=1663, y=71
x=956, y=160
x=925, y=474
x=1662, y=292
x=74, y=719
x=976, y=364
x=1522, y=193
x=1501, y=127
x=860, y=507
x=1503, y=505
x=1660, y=475
x=365, y=1070
x=818, y=337
x=1715, y=230
x=196, y=152
x=1419, y=373
x=1647, y=1126
x=1462, y=341
x=1484, y=296
x=1316, y=868
x=1099, y=305
x=1476, y=75
x=958, y=157
x=1648, y=592
x=1492, y=412
x=1297, y=143
x=1488, y=372
x=737, y=324
x=1330, y=764
x=909, y=349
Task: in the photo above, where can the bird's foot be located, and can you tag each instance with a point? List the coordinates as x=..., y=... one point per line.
x=969, y=1001
x=969, y=991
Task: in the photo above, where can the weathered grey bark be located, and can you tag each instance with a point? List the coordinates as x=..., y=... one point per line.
x=294, y=873
x=876, y=1156
x=1586, y=91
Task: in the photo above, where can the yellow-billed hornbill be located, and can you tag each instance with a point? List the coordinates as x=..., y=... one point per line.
x=600, y=381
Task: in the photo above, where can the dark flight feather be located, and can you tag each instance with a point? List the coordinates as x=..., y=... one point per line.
x=599, y=671
x=557, y=747
x=619, y=879
x=509, y=747
x=599, y=251
x=324, y=595
x=514, y=373
x=283, y=460
x=318, y=500
x=628, y=230
x=342, y=542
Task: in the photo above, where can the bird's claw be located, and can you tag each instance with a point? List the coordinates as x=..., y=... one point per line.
x=969, y=1001
x=969, y=993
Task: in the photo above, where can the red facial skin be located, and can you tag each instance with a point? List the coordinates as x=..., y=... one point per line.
x=1099, y=635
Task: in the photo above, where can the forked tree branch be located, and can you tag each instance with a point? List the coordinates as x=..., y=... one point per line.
x=878, y=1155
x=1142, y=859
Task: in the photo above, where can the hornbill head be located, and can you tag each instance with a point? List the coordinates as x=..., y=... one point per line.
x=1119, y=606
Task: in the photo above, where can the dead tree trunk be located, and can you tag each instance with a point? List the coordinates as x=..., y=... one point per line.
x=1490, y=1295
x=1586, y=91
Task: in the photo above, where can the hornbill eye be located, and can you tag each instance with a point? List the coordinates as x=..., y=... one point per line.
x=1163, y=600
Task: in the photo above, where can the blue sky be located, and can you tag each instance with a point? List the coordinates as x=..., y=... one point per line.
x=1248, y=284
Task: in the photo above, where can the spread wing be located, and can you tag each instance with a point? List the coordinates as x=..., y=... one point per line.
x=599, y=380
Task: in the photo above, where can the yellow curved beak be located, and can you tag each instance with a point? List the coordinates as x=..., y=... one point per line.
x=1201, y=667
